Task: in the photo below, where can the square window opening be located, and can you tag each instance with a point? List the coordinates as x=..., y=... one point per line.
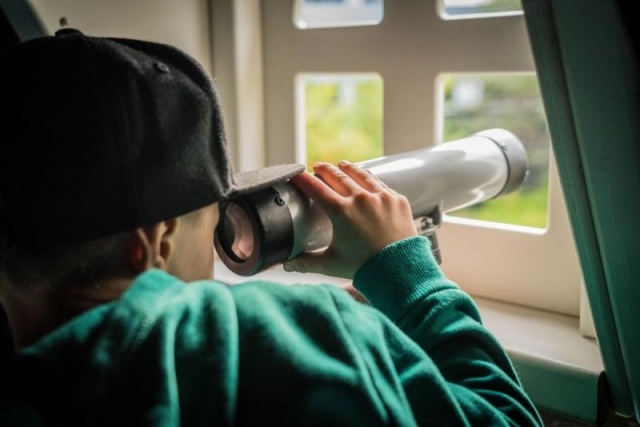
x=474, y=102
x=472, y=9
x=309, y=14
x=338, y=117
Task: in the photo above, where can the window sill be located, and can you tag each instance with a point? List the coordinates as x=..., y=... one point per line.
x=559, y=368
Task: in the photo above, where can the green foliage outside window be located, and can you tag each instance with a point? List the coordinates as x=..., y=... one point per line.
x=510, y=102
x=344, y=122
x=343, y=119
x=485, y=6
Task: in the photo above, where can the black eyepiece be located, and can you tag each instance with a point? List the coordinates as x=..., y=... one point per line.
x=255, y=232
x=236, y=232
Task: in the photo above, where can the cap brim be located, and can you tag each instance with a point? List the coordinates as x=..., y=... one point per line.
x=250, y=181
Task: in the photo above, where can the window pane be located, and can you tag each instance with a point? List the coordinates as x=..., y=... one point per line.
x=337, y=13
x=477, y=102
x=476, y=7
x=342, y=117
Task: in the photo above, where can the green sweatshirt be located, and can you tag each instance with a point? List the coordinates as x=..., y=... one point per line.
x=261, y=353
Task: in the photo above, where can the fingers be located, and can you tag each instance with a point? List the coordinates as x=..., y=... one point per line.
x=317, y=190
x=332, y=183
x=336, y=178
x=363, y=177
x=309, y=263
x=347, y=179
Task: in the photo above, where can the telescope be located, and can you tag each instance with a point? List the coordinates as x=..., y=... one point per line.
x=259, y=230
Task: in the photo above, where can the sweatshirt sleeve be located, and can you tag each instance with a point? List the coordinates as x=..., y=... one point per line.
x=405, y=283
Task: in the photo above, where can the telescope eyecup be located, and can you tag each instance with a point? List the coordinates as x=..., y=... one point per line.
x=515, y=156
x=254, y=231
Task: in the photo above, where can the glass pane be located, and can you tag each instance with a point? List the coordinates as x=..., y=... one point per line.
x=342, y=117
x=337, y=13
x=476, y=7
x=477, y=102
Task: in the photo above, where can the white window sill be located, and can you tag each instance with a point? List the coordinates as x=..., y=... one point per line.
x=559, y=367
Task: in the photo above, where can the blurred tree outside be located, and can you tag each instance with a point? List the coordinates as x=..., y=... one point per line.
x=477, y=102
x=469, y=7
x=343, y=118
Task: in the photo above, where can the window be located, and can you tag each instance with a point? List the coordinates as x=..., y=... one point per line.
x=475, y=102
x=418, y=59
x=337, y=13
x=476, y=8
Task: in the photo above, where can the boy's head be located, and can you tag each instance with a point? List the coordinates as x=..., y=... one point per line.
x=101, y=136
x=112, y=160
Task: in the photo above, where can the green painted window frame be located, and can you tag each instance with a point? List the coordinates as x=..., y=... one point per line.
x=588, y=71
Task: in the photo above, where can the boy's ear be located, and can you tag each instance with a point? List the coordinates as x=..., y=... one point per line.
x=151, y=247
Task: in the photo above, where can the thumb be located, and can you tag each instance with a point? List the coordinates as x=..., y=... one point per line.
x=308, y=263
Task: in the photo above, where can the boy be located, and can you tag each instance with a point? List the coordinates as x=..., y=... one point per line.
x=113, y=162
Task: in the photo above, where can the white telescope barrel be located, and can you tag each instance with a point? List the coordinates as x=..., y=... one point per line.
x=460, y=173
x=454, y=175
x=280, y=222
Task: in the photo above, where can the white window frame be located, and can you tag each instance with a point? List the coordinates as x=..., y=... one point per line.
x=512, y=264
x=520, y=265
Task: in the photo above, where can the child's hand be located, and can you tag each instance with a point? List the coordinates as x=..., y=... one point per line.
x=366, y=215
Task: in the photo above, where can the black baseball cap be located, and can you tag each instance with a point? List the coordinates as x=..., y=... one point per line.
x=103, y=135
